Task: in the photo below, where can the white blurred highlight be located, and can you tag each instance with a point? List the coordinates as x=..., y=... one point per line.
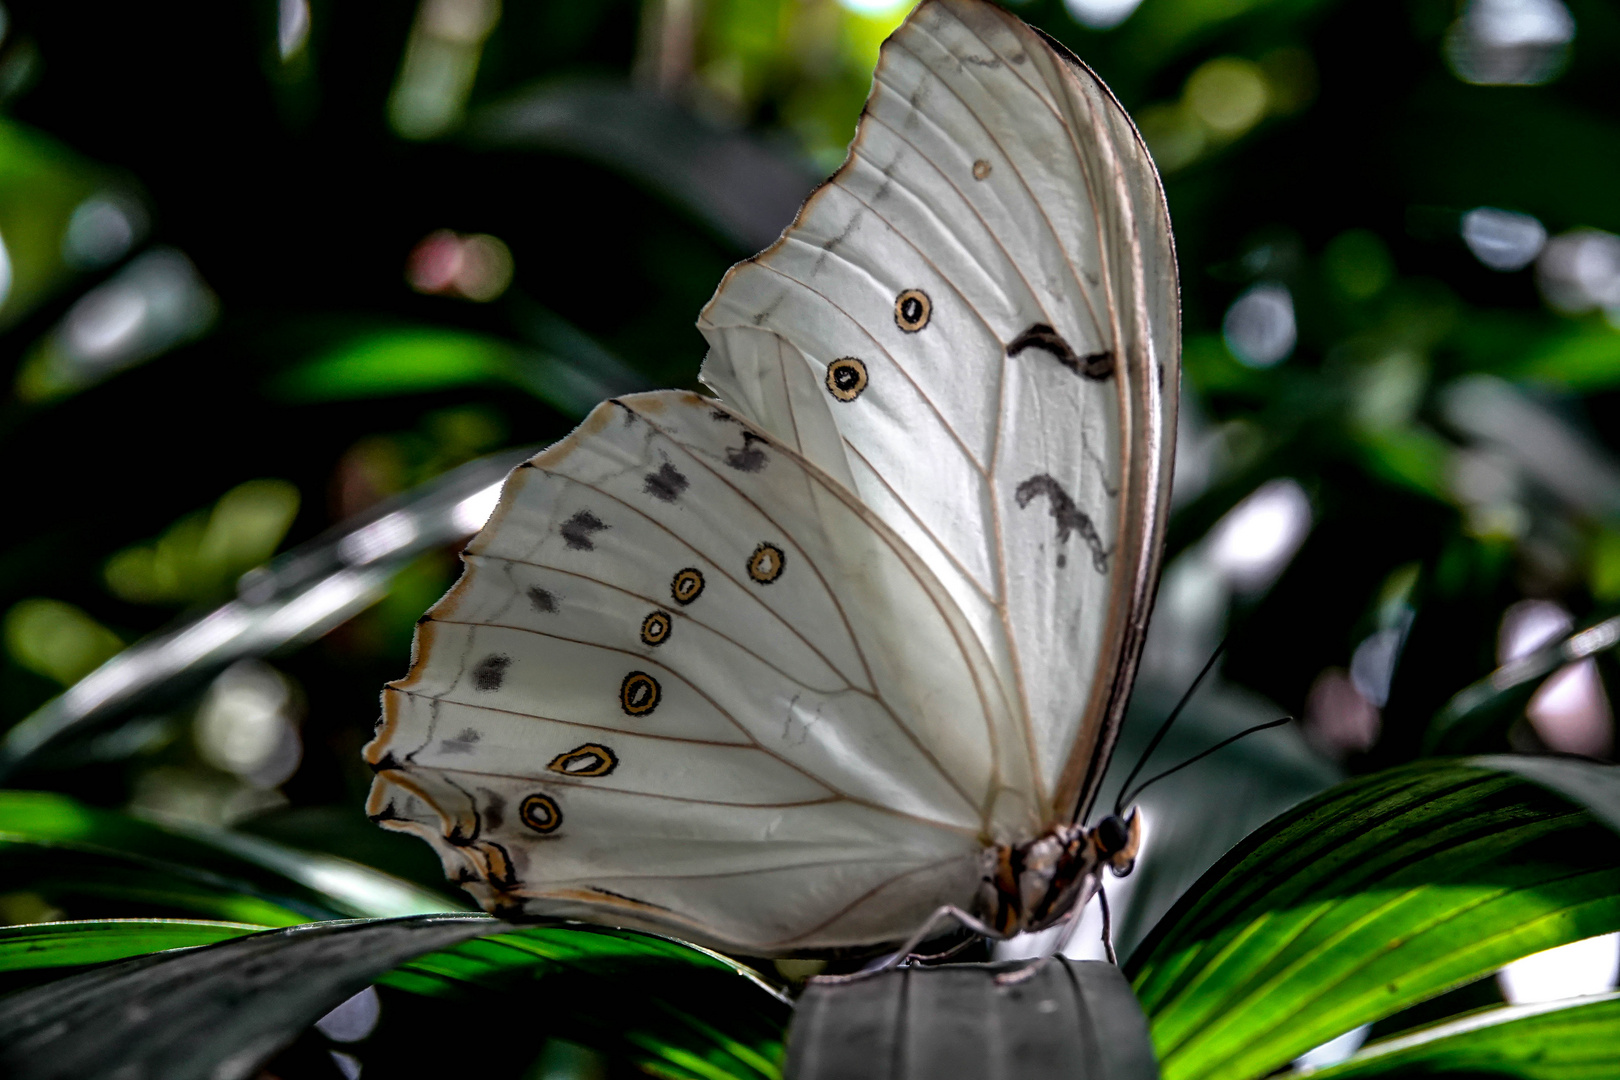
x=102, y=230
x=1570, y=711
x=1259, y=327
x=1254, y=541
x=1578, y=969
x=292, y=27
x=354, y=1019
x=470, y=514
x=1101, y=14
x=1579, y=271
x=246, y=725
x=870, y=7
x=378, y=540
x=1501, y=239
x=1510, y=42
x=1334, y=1050
x=5, y=272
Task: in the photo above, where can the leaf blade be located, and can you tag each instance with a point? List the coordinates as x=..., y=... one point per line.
x=1374, y=896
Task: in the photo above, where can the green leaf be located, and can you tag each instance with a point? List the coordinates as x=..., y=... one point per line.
x=1070, y=1018
x=1369, y=898
x=216, y=1012
x=89, y=881
x=96, y=941
x=64, y=846
x=401, y=361
x=1558, y=1040
x=672, y=1009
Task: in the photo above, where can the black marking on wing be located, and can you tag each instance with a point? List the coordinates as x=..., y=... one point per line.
x=490, y=672
x=461, y=744
x=667, y=484
x=389, y=761
x=542, y=600
x=1096, y=366
x=577, y=530
x=631, y=899
x=1069, y=517
x=747, y=458
x=387, y=813
x=494, y=808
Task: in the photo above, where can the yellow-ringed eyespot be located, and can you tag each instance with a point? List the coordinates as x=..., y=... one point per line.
x=638, y=694
x=911, y=310
x=765, y=564
x=687, y=586
x=846, y=378
x=540, y=813
x=655, y=628
x=981, y=169
x=592, y=759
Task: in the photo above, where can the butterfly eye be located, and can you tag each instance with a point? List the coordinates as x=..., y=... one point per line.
x=592, y=759
x=1111, y=835
x=638, y=694
x=540, y=813
x=846, y=378
x=912, y=309
x=765, y=565
x=686, y=587
x=655, y=628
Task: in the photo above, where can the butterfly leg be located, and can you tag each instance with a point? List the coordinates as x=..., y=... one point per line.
x=949, y=911
x=1107, y=928
x=1071, y=922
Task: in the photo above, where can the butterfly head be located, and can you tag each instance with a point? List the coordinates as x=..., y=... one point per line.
x=1116, y=841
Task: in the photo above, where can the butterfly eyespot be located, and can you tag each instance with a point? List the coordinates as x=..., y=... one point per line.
x=981, y=169
x=655, y=628
x=592, y=759
x=687, y=586
x=638, y=694
x=765, y=564
x=540, y=813
x=912, y=309
x=846, y=378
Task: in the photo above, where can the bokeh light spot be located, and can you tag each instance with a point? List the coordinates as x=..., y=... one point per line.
x=1101, y=14
x=1259, y=326
x=1501, y=239
x=1257, y=537
x=474, y=267
x=1229, y=94
x=1510, y=42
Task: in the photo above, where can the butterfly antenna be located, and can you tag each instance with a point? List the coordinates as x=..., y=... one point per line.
x=1245, y=733
x=1164, y=728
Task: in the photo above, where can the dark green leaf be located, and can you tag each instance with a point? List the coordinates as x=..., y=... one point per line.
x=670, y=1008
x=96, y=941
x=1376, y=895
x=1557, y=1040
x=48, y=839
x=216, y=1012
x=1075, y=1019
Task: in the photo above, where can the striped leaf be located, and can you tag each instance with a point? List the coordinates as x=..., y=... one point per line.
x=1374, y=896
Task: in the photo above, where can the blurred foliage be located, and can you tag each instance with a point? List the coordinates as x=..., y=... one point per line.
x=351, y=247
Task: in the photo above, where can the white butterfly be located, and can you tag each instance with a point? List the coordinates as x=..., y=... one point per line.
x=794, y=668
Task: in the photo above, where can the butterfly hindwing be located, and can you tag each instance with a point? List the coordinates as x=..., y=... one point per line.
x=688, y=682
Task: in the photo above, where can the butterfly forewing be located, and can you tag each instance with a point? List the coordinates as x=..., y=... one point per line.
x=974, y=325
x=689, y=681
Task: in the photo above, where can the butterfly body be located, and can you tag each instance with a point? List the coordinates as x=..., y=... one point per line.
x=791, y=668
